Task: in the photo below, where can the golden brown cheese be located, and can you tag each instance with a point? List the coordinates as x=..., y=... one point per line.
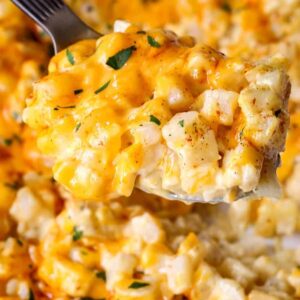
x=247, y=28
x=150, y=107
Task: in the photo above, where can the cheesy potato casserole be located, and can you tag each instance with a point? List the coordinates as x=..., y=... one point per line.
x=154, y=108
x=55, y=245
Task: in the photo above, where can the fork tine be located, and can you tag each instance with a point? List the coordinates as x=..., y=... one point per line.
x=54, y=4
x=58, y=3
x=57, y=19
x=35, y=11
x=46, y=8
x=36, y=6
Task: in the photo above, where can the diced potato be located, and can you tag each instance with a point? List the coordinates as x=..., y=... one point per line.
x=70, y=277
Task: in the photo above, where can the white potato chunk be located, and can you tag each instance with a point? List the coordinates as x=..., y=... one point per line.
x=33, y=216
x=18, y=287
x=255, y=99
x=217, y=105
x=121, y=26
x=175, y=91
x=226, y=289
x=259, y=295
x=242, y=167
x=179, y=271
x=191, y=138
x=236, y=270
x=118, y=267
x=261, y=128
x=276, y=80
x=145, y=228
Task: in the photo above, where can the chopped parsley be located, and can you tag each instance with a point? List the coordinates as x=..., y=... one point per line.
x=8, y=142
x=241, y=133
x=101, y=275
x=181, y=123
x=109, y=26
x=20, y=243
x=138, y=285
x=103, y=87
x=77, y=234
x=154, y=120
x=118, y=60
x=152, y=42
x=63, y=107
x=77, y=127
x=14, y=185
x=226, y=7
x=77, y=92
x=31, y=295
x=70, y=57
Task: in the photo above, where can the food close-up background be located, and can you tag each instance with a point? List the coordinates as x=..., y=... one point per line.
x=55, y=245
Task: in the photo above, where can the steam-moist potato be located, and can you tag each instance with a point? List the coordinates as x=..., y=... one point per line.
x=155, y=110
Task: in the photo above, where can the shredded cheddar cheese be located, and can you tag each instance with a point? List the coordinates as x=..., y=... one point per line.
x=154, y=110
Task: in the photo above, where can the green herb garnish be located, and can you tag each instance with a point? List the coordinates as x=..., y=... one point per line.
x=241, y=133
x=8, y=142
x=118, y=60
x=20, y=243
x=154, y=120
x=181, y=123
x=103, y=87
x=109, y=26
x=138, y=285
x=226, y=7
x=77, y=92
x=63, y=107
x=70, y=57
x=14, y=185
x=77, y=127
x=77, y=234
x=101, y=275
x=152, y=42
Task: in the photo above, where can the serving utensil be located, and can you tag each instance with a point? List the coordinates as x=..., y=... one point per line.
x=58, y=20
x=268, y=186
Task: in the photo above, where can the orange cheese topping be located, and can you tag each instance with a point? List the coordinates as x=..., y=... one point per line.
x=151, y=107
